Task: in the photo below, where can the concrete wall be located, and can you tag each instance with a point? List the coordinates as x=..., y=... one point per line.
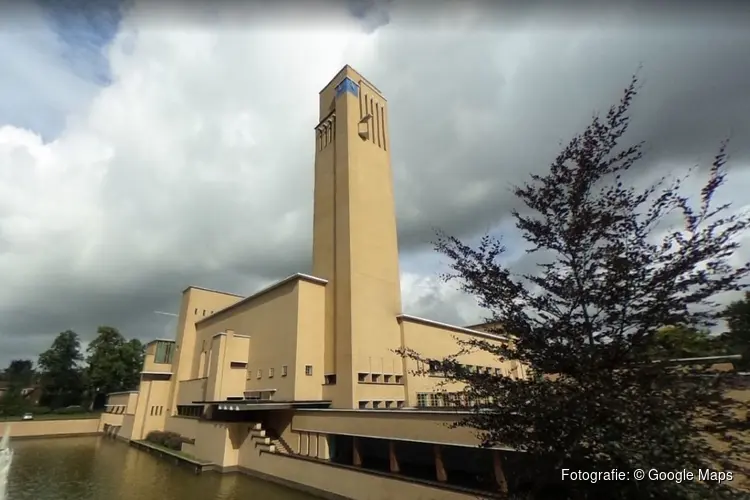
x=151, y=409
x=436, y=341
x=115, y=419
x=39, y=428
x=275, y=334
x=191, y=390
x=184, y=426
x=344, y=482
x=400, y=425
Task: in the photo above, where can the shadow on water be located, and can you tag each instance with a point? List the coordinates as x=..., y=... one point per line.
x=94, y=468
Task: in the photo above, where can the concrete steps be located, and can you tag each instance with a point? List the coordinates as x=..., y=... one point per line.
x=258, y=435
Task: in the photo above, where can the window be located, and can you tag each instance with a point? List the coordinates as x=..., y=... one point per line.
x=376, y=378
x=387, y=378
x=270, y=373
x=283, y=371
x=308, y=370
x=399, y=379
x=435, y=399
x=362, y=377
x=204, y=312
x=194, y=411
x=260, y=373
x=377, y=404
x=196, y=311
x=330, y=379
x=498, y=371
x=164, y=351
x=390, y=404
x=362, y=405
x=399, y=404
x=422, y=399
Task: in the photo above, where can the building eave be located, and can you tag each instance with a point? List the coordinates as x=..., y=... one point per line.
x=454, y=328
x=274, y=286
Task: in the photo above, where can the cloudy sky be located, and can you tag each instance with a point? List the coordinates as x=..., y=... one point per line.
x=145, y=149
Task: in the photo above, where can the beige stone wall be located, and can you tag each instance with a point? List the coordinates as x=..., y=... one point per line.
x=401, y=425
x=436, y=342
x=345, y=482
x=111, y=419
x=39, y=428
x=191, y=390
x=184, y=426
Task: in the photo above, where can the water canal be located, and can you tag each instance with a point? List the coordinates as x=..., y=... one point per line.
x=98, y=468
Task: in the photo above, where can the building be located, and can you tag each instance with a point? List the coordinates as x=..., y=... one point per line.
x=299, y=383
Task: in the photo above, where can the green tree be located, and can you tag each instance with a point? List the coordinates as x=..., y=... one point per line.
x=61, y=375
x=674, y=342
x=114, y=364
x=18, y=376
x=737, y=316
x=585, y=325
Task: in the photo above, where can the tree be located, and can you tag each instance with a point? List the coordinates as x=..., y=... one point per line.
x=114, y=364
x=20, y=372
x=679, y=341
x=737, y=315
x=18, y=376
x=585, y=325
x=61, y=375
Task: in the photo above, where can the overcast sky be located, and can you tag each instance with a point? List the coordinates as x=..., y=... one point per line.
x=144, y=150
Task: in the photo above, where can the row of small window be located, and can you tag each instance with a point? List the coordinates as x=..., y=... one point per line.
x=381, y=405
x=189, y=410
x=449, y=399
x=204, y=312
x=284, y=371
x=435, y=371
x=156, y=411
x=378, y=378
x=115, y=409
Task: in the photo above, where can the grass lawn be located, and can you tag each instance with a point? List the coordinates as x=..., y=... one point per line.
x=53, y=416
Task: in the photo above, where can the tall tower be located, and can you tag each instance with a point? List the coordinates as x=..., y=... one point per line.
x=355, y=244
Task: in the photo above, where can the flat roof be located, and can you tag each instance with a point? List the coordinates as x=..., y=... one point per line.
x=338, y=73
x=211, y=290
x=159, y=340
x=459, y=329
x=121, y=392
x=288, y=279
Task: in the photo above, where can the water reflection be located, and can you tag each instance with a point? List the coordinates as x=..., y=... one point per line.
x=94, y=468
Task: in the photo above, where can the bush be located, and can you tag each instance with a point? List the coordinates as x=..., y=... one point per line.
x=171, y=440
x=40, y=410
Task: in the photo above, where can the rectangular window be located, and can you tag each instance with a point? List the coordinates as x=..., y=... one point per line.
x=422, y=399
x=284, y=371
x=164, y=351
x=308, y=370
x=260, y=373
x=435, y=399
x=270, y=373
x=362, y=405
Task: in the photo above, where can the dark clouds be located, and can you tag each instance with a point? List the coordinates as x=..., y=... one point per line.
x=195, y=165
